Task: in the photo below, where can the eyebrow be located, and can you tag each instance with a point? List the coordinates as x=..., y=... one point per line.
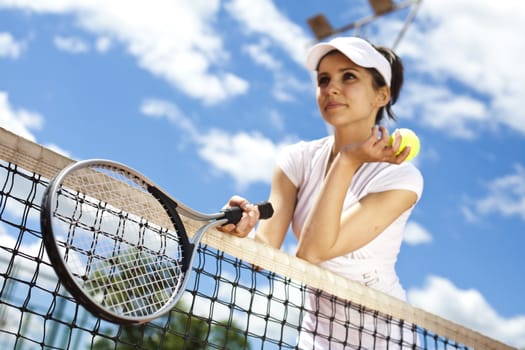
x=341, y=70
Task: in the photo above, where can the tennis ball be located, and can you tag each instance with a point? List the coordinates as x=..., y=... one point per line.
x=408, y=138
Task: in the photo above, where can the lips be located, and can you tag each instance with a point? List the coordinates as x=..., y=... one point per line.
x=333, y=105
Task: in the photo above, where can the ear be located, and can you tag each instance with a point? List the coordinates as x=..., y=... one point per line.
x=383, y=96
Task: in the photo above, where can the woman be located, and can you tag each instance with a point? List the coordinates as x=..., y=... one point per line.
x=348, y=196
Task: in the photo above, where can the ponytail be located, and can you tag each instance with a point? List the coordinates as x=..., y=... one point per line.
x=395, y=84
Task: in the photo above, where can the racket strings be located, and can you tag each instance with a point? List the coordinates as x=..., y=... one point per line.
x=114, y=245
x=123, y=190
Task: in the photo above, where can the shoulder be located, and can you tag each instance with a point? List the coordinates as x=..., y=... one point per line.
x=300, y=159
x=304, y=150
x=309, y=146
x=385, y=176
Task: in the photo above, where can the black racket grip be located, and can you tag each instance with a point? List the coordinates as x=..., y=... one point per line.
x=265, y=210
x=234, y=214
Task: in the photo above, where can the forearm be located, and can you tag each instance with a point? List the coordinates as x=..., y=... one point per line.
x=270, y=236
x=322, y=227
x=283, y=196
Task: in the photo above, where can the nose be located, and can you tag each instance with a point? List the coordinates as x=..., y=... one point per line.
x=332, y=88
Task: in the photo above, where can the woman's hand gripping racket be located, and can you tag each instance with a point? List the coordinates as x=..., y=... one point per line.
x=118, y=243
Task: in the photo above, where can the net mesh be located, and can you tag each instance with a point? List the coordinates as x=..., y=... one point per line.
x=287, y=304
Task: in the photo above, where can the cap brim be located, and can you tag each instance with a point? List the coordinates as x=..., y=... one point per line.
x=356, y=49
x=316, y=53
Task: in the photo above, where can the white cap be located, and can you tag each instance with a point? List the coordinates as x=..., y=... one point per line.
x=360, y=51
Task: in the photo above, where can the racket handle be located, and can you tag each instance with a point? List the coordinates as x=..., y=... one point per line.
x=265, y=210
x=234, y=214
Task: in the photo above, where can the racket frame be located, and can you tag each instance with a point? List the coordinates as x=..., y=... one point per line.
x=172, y=207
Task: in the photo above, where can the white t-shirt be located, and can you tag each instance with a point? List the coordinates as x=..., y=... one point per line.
x=373, y=264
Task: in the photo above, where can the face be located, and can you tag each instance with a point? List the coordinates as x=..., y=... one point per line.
x=345, y=92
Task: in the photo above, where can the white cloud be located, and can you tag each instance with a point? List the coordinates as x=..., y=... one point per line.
x=9, y=46
x=103, y=44
x=505, y=196
x=23, y=122
x=71, y=44
x=58, y=149
x=248, y=157
x=468, y=214
x=287, y=87
x=262, y=17
x=260, y=55
x=19, y=121
x=275, y=33
x=457, y=115
x=468, y=308
x=416, y=234
x=276, y=119
x=285, y=84
x=469, y=44
x=174, y=40
x=156, y=108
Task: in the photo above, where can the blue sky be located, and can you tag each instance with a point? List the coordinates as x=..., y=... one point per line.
x=200, y=96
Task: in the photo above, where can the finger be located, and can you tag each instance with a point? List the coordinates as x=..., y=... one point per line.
x=253, y=216
x=375, y=138
x=405, y=153
x=397, y=141
x=247, y=222
x=384, y=133
x=238, y=201
x=242, y=230
x=241, y=227
x=249, y=219
x=228, y=228
x=256, y=268
x=400, y=158
x=375, y=133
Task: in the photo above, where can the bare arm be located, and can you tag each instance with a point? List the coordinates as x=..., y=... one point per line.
x=328, y=231
x=283, y=197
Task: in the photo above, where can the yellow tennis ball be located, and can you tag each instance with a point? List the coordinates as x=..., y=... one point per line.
x=408, y=138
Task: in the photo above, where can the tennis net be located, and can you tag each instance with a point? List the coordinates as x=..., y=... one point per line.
x=227, y=305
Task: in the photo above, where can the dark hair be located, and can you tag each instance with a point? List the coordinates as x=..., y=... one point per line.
x=396, y=65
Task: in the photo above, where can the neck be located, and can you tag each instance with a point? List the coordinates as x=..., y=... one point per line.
x=349, y=136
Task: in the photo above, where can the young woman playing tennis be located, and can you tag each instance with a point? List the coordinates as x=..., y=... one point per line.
x=348, y=195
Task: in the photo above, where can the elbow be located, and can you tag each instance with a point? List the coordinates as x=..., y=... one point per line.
x=309, y=255
x=313, y=251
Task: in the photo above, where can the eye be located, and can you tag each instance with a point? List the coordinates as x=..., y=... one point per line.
x=348, y=76
x=323, y=81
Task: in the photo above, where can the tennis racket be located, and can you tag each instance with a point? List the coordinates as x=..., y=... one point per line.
x=118, y=242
